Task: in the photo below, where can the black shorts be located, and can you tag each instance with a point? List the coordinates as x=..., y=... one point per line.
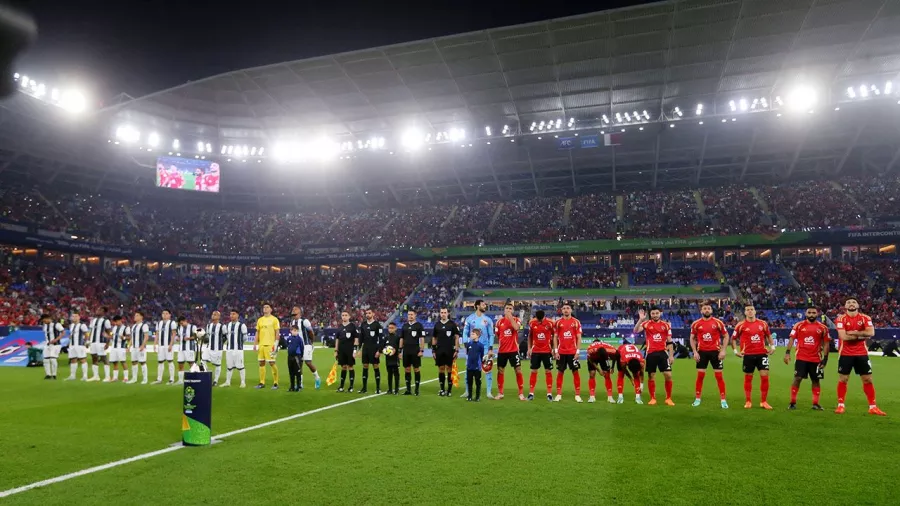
x=368, y=355
x=345, y=358
x=504, y=359
x=443, y=358
x=710, y=357
x=603, y=365
x=658, y=361
x=804, y=369
x=390, y=362
x=412, y=359
x=541, y=359
x=860, y=365
x=755, y=363
x=567, y=362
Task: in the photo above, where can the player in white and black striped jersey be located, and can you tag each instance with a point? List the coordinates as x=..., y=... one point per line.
x=164, y=338
x=212, y=352
x=235, y=333
x=53, y=332
x=100, y=327
x=140, y=333
x=187, y=349
x=78, y=335
x=118, y=343
x=308, y=334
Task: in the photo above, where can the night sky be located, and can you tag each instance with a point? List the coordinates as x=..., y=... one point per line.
x=138, y=47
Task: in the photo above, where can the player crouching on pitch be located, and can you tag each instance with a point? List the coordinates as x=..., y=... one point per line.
x=600, y=356
x=631, y=363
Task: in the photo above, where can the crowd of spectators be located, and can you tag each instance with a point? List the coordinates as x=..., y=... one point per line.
x=662, y=214
x=468, y=225
x=22, y=205
x=587, y=276
x=676, y=273
x=290, y=232
x=592, y=217
x=537, y=220
x=732, y=210
x=880, y=196
x=416, y=227
x=437, y=291
x=764, y=284
x=505, y=277
x=811, y=205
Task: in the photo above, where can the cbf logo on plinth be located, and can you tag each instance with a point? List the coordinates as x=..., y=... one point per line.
x=196, y=417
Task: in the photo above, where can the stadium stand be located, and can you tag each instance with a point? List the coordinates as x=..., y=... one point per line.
x=659, y=214
x=811, y=205
x=592, y=217
x=528, y=221
x=764, y=284
x=732, y=210
x=674, y=273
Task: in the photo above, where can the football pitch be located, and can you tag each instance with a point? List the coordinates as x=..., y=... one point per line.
x=429, y=450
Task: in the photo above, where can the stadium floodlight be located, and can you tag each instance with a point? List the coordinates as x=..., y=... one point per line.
x=230, y=150
x=851, y=92
x=253, y=151
x=541, y=125
x=176, y=144
x=647, y=114
x=764, y=102
x=627, y=117
x=16, y=75
x=261, y=151
x=54, y=95
x=699, y=110
x=24, y=82
x=677, y=112
x=487, y=131
x=73, y=101
x=558, y=123
x=224, y=148
x=732, y=105
x=571, y=122
x=801, y=98
x=457, y=134
x=208, y=148
x=412, y=139
x=245, y=150
x=200, y=146
x=533, y=126
x=618, y=117
x=41, y=90
x=505, y=130
x=637, y=117
x=742, y=104
x=888, y=87
x=153, y=139
x=127, y=133
x=864, y=91
x=605, y=119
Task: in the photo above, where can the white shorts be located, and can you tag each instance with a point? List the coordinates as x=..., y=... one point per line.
x=77, y=352
x=98, y=349
x=212, y=356
x=307, y=353
x=117, y=354
x=234, y=359
x=138, y=356
x=186, y=356
x=163, y=354
x=52, y=351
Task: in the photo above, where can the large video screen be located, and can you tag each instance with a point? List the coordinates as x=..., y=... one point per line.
x=187, y=174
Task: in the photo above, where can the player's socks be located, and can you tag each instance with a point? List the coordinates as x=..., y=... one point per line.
x=442, y=379
x=592, y=386
x=841, y=392
x=115, y=375
x=243, y=376
x=106, y=371
x=228, y=376
x=559, y=382
x=748, y=386
x=172, y=371
x=794, y=391
x=501, y=379
x=418, y=381
x=607, y=382
x=84, y=371
x=343, y=378
x=637, y=386
x=352, y=377
x=764, y=389
x=134, y=372
x=869, y=389
x=651, y=385
x=377, y=379
x=816, y=392
x=577, y=378
x=668, y=389
x=366, y=379
x=408, y=377
x=390, y=381
x=698, y=387
x=181, y=376
x=47, y=367
x=620, y=383
x=54, y=366
x=548, y=376
x=532, y=382
x=489, y=383
x=262, y=375
x=720, y=381
x=95, y=370
x=520, y=382
x=275, y=374
x=216, y=374
x=143, y=372
x=160, y=368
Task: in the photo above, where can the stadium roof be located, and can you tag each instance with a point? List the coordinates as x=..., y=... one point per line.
x=650, y=58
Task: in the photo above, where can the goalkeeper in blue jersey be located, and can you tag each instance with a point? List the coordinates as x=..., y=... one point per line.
x=482, y=322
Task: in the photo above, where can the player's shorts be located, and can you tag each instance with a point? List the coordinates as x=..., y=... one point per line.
x=213, y=356
x=806, y=369
x=264, y=352
x=443, y=358
x=186, y=356
x=368, y=355
x=164, y=354
x=509, y=358
x=539, y=360
x=308, y=353
x=77, y=352
x=52, y=351
x=603, y=365
x=567, y=362
x=658, y=361
x=860, y=365
x=412, y=360
x=755, y=363
x=234, y=359
x=117, y=354
x=708, y=358
x=345, y=358
x=98, y=349
x=138, y=356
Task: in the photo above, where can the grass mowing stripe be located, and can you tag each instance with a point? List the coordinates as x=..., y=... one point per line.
x=177, y=446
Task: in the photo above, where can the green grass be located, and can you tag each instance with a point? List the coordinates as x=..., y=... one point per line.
x=434, y=450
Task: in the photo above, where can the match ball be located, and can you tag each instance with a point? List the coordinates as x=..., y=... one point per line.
x=200, y=333
x=389, y=351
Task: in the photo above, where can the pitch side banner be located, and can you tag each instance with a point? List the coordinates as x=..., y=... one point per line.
x=12, y=347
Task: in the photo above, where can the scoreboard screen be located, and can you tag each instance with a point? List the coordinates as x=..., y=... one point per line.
x=187, y=174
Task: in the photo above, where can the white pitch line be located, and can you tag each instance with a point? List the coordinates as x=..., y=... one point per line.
x=178, y=446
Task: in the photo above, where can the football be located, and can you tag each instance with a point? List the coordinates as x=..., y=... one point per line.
x=200, y=333
x=487, y=365
x=389, y=351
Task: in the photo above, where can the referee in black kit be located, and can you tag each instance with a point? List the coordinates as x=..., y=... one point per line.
x=346, y=343
x=445, y=343
x=412, y=341
x=372, y=340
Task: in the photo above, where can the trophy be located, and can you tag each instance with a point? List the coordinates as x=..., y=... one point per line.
x=202, y=340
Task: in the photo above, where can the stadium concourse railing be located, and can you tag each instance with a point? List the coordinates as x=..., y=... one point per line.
x=30, y=237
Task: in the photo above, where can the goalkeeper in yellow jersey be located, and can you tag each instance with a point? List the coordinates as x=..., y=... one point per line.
x=266, y=342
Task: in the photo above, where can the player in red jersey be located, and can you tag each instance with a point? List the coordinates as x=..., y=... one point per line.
x=175, y=179
x=601, y=356
x=631, y=363
x=708, y=342
x=756, y=346
x=211, y=179
x=540, y=341
x=854, y=328
x=198, y=180
x=162, y=175
x=811, y=337
x=565, y=350
x=660, y=350
x=507, y=331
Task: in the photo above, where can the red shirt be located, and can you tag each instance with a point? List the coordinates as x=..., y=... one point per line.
x=594, y=351
x=541, y=333
x=709, y=334
x=509, y=338
x=856, y=324
x=211, y=182
x=810, y=337
x=629, y=352
x=657, y=334
x=752, y=337
x=568, y=331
